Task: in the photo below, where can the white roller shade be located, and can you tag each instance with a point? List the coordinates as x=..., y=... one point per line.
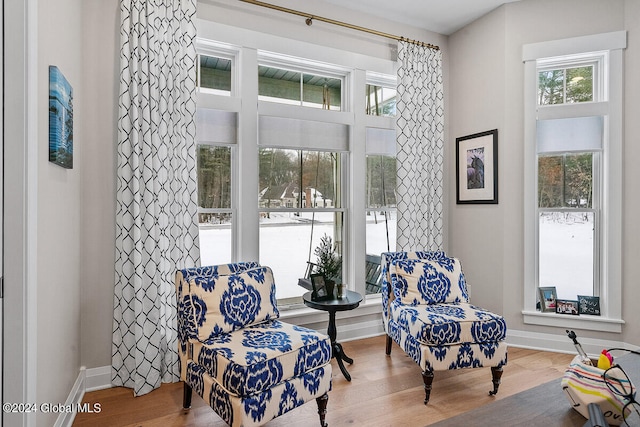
x=573, y=134
x=381, y=141
x=305, y=134
x=215, y=126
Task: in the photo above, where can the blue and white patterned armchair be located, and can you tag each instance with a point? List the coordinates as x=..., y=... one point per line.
x=426, y=310
x=235, y=353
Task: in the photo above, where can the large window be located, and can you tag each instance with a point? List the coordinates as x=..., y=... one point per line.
x=573, y=141
x=283, y=160
x=569, y=176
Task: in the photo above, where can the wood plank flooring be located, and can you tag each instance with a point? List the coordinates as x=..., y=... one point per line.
x=384, y=391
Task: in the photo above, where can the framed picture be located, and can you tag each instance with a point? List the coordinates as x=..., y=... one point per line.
x=589, y=305
x=319, y=287
x=567, y=306
x=548, y=298
x=477, y=168
x=60, y=119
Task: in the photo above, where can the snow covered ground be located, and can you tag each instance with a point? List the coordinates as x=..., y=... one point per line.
x=566, y=245
x=566, y=254
x=284, y=244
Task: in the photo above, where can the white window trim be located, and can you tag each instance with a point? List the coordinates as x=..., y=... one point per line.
x=253, y=47
x=611, y=244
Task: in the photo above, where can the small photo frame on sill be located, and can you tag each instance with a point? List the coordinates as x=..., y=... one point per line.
x=567, y=306
x=548, y=298
x=477, y=168
x=589, y=305
x=319, y=287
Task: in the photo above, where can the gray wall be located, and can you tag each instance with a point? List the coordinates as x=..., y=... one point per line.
x=487, y=81
x=59, y=209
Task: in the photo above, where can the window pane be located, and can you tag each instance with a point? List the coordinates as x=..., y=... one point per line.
x=321, y=92
x=214, y=177
x=381, y=231
x=292, y=87
x=214, y=75
x=551, y=87
x=566, y=252
x=283, y=172
x=288, y=241
x=565, y=181
x=381, y=101
x=215, y=238
x=580, y=84
x=381, y=181
x=279, y=85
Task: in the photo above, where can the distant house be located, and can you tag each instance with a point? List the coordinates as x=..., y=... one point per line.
x=287, y=196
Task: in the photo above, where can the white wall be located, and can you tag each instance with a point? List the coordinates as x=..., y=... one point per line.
x=59, y=210
x=487, y=92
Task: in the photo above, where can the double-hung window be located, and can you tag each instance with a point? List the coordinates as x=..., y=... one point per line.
x=572, y=180
x=303, y=149
x=216, y=138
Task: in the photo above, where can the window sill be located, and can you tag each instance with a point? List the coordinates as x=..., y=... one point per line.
x=591, y=323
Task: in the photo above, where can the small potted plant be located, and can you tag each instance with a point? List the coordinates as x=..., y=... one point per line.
x=329, y=263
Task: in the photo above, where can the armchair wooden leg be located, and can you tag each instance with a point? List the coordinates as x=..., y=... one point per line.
x=388, y=348
x=322, y=408
x=427, y=377
x=496, y=373
x=186, y=396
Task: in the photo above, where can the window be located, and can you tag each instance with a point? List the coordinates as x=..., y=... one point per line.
x=299, y=88
x=216, y=134
x=214, y=75
x=573, y=117
x=283, y=160
x=380, y=95
x=301, y=195
x=380, y=184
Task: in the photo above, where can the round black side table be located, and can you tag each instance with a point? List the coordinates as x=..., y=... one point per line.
x=349, y=301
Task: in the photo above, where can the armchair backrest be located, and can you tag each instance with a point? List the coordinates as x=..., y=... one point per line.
x=418, y=282
x=388, y=259
x=211, y=302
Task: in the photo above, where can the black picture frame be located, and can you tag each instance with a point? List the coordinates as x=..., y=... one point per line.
x=567, y=306
x=589, y=305
x=477, y=168
x=319, y=285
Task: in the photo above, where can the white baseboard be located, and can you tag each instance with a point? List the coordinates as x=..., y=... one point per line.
x=88, y=380
x=65, y=419
x=560, y=343
x=98, y=378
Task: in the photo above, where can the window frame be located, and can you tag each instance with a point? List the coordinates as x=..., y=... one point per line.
x=609, y=105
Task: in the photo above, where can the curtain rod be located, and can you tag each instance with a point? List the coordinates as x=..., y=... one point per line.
x=311, y=17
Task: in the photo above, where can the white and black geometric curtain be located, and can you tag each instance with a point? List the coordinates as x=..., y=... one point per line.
x=156, y=208
x=420, y=148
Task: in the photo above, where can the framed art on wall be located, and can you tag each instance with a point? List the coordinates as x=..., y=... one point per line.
x=60, y=119
x=477, y=168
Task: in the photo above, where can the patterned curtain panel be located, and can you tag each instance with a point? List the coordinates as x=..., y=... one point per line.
x=420, y=148
x=156, y=208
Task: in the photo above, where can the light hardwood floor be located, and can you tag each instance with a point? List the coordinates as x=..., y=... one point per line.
x=384, y=391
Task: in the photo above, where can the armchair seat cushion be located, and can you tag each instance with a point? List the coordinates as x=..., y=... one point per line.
x=449, y=324
x=258, y=357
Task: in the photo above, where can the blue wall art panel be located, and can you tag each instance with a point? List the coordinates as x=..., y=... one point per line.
x=60, y=119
